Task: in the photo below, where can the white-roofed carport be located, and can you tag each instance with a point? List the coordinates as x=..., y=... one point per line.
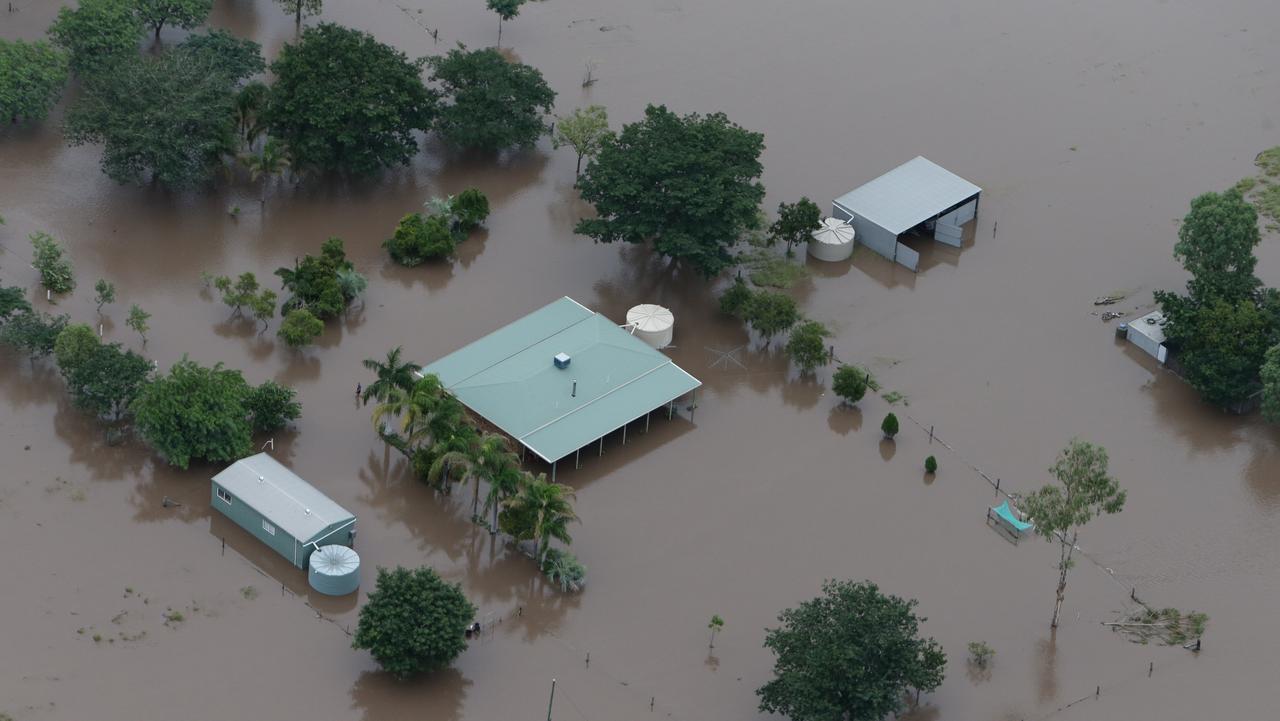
x=912, y=194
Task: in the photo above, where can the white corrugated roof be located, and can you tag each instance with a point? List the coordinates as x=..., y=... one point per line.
x=276, y=492
x=908, y=195
x=1150, y=325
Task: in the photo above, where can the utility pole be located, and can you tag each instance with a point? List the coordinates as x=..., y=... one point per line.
x=553, y=699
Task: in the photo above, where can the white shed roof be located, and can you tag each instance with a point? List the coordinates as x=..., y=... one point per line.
x=277, y=493
x=1150, y=325
x=908, y=195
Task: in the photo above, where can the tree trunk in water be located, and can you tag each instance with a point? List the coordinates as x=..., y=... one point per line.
x=297, y=19
x=578, y=170
x=158, y=26
x=475, y=498
x=493, y=530
x=499, y=31
x=1063, y=566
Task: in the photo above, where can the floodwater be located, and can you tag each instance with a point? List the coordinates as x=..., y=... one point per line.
x=1089, y=124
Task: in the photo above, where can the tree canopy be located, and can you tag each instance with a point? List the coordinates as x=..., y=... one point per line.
x=807, y=345
x=32, y=332
x=1221, y=346
x=343, y=101
x=850, y=383
x=184, y=14
x=1270, y=374
x=12, y=300
x=50, y=261
x=1215, y=245
x=106, y=381
x=301, y=8
x=850, y=654
x=584, y=130
x=32, y=76
x=414, y=621
x=73, y=346
x=300, y=328
x=97, y=33
x=795, y=222
x=689, y=184
x=490, y=103
x=169, y=117
x=314, y=281
x=419, y=238
x=235, y=59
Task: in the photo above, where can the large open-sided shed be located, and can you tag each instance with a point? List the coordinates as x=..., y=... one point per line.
x=561, y=378
x=280, y=509
x=916, y=193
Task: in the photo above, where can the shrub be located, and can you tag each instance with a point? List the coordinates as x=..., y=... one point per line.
x=300, y=328
x=414, y=621
x=55, y=270
x=564, y=569
x=736, y=300
x=271, y=406
x=890, y=426
x=470, y=209
x=931, y=465
x=849, y=383
x=980, y=653
x=807, y=345
x=419, y=238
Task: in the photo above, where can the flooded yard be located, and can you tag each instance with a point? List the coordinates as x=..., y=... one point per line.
x=1089, y=125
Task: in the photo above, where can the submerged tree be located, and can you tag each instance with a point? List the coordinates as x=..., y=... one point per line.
x=97, y=33
x=300, y=328
x=807, y=345
x=850, y=383
x=268, y=163
x=107, y=380
x=32, y=76
x=851, y=654
x=104, y=293
x=414, y=622
x=301, y=8
x=795, y=222
x=392, y=374
x=505, y=10
x=491, y=103
x=584, y=130
x=1270, y=374
x=12, y=300
x=1086, y=489
x=50, y=262
x=184, y=14
x=137, y=320
x=32, y=332
x=541, y=511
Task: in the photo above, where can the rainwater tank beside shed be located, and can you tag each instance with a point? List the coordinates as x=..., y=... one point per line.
x=652, y=324
x=334, y=570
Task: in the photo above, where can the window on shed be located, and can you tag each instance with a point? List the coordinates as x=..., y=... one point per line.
x=266, y=526
x=224, y=496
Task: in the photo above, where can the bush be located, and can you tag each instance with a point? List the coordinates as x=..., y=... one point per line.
x=419, y=238
x=470, y=209
x=315, y=281
x=564, y=569
x=770, y=313
x=12, y=300
x=55, y=270
x=980, y=653
x=271, y=406
x=300, y=328
x=807, y=346
x=890, y=426
x=32, y=332
x=849, y=383
x=73, y=346
x=931, y=465
x=413, y=622
x=736, y=300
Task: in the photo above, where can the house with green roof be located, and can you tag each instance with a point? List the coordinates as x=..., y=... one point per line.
x=561, y=378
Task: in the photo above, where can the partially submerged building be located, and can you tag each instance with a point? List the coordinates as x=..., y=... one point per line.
x=1147, y=332
x=918, y=194
x=280, y=509
x=562, y=378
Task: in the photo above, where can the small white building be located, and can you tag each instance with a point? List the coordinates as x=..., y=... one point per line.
x=1147, y=332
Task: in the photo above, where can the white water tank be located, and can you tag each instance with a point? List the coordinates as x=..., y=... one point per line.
x=652, y=324
x=833, y=241
x=334, y=570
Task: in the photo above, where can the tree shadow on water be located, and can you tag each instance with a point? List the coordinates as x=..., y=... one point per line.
x=439, y=696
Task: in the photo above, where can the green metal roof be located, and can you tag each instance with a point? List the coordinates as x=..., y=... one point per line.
x=508, y=378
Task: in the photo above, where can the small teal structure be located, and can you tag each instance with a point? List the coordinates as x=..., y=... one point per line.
x=280, y=509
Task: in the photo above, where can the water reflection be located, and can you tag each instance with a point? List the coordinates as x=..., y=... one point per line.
x=379, y=696
x=844, y=419
x=1047, y=667
x=887, y=448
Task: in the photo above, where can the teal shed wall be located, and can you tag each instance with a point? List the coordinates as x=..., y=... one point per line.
x=341, y=533
x=250, y=520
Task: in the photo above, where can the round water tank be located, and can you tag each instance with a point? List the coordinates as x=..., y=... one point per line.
x=833, y=241
x=652, y=324
x=334, y=570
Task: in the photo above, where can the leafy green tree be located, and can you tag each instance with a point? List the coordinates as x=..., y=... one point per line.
x=1215, y=245
x=12, y=300
x=931, y=465
x=343, y=101
x=392, y=374
x=491, y=103
x=795, y=222
x=137, y=320
x=263, y=306
x=184, y=14
x=108, y=380
x=1221, y=346
x=196, y=413
x=301, y=8
x=736, y=299
x=849, y=383
x=543, y=510
x=771, y=313
x=268, y=163
x=32, y=76
x=73, y=346
x=232, y=58
x=104, y=292
x=851, y=654
x=469, y=210
x=97, y=33
x=414, y=622
x=32, y=332
x=688, y=184
x=52, y=265
x=584, y=130
x=300, y=328
x=271, y=406
x=1270, y=375
x=314, y=281
x=170, y=117
x=251, y=103
x=889, y=427
x=506, y=10
x=420, y=238
x=807, y=345
x=1085, y=489
x=716, y=624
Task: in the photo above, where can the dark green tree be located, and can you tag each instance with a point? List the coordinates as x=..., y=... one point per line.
x=73, y=346
x=505, y=9
x=807, y=345
x=931, y=465
x=469, y=210
x=771, y=313
x=108, y=380
x=343, y=101
x=491, y=103
x=688, y=184
x=736, y=300
x=32, y=332
x=251, y=105
x=300, y=328
x=169, y=117
x=1270, y=375
x=314, y=281
x=235, y=59
x=185, y=14
x=301, y=8
x=851, y=654
x=849, y=383
x=414, y=622
x=889, y=427
x=420, y=238
x=1215, y=245
x=97, y=33
x=32, y=76
x=12, y=300
x=271, y=406
x=795, y=222
x=1085, y=489
x=47, y=256
x=1221, y=346
x=196, y=413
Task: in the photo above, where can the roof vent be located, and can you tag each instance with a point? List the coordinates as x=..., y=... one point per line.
x=307, y=511
x=261, y=479
x=561, y=360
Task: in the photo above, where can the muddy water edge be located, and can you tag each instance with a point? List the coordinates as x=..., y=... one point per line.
x=1089, y=126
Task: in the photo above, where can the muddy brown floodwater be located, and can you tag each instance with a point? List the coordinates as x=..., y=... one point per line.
x=1090, y=125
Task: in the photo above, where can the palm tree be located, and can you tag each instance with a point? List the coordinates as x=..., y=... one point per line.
x=251, y=101
x=503, y=485
x=392, y=374
x=549, y=507
x=268, y=163
x=427, y=414
x=454, y=459
x=490, y=457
